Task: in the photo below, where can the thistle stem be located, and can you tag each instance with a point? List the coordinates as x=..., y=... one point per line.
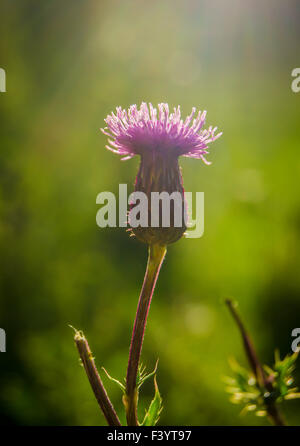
x=273, y=413
x=95, y=380
x=156, y=255
x=248, y=345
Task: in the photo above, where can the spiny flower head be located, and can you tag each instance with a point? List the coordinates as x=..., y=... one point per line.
x=159, y=138
x=137, y=131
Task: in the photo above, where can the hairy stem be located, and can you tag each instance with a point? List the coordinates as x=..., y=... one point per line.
x=155, y=258
x=95, y=380
x=248, y=345
x=273, y=413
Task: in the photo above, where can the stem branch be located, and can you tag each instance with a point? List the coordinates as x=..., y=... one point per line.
x=272, y=409
x=95, y=380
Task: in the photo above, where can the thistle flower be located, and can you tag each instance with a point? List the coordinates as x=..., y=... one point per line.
x=159, y=138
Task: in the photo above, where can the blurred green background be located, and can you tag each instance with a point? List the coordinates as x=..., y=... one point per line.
x=68, y=64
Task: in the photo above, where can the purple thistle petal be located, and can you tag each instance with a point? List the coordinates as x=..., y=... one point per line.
x=138, y=131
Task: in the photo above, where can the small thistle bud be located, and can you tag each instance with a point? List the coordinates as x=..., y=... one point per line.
x=159, y=140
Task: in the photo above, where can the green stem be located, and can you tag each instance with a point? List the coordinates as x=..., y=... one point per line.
x=156, y=255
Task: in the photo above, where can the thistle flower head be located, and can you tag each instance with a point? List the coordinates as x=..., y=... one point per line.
x=159, y=137
x=139, y=131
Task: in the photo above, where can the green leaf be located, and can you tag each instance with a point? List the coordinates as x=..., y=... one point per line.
x=155, y=408
x=245, y=389
x=143, y=376
x=283, y=374
x=292, y=396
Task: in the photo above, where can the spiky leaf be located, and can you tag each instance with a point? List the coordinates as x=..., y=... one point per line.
x=155, y=408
